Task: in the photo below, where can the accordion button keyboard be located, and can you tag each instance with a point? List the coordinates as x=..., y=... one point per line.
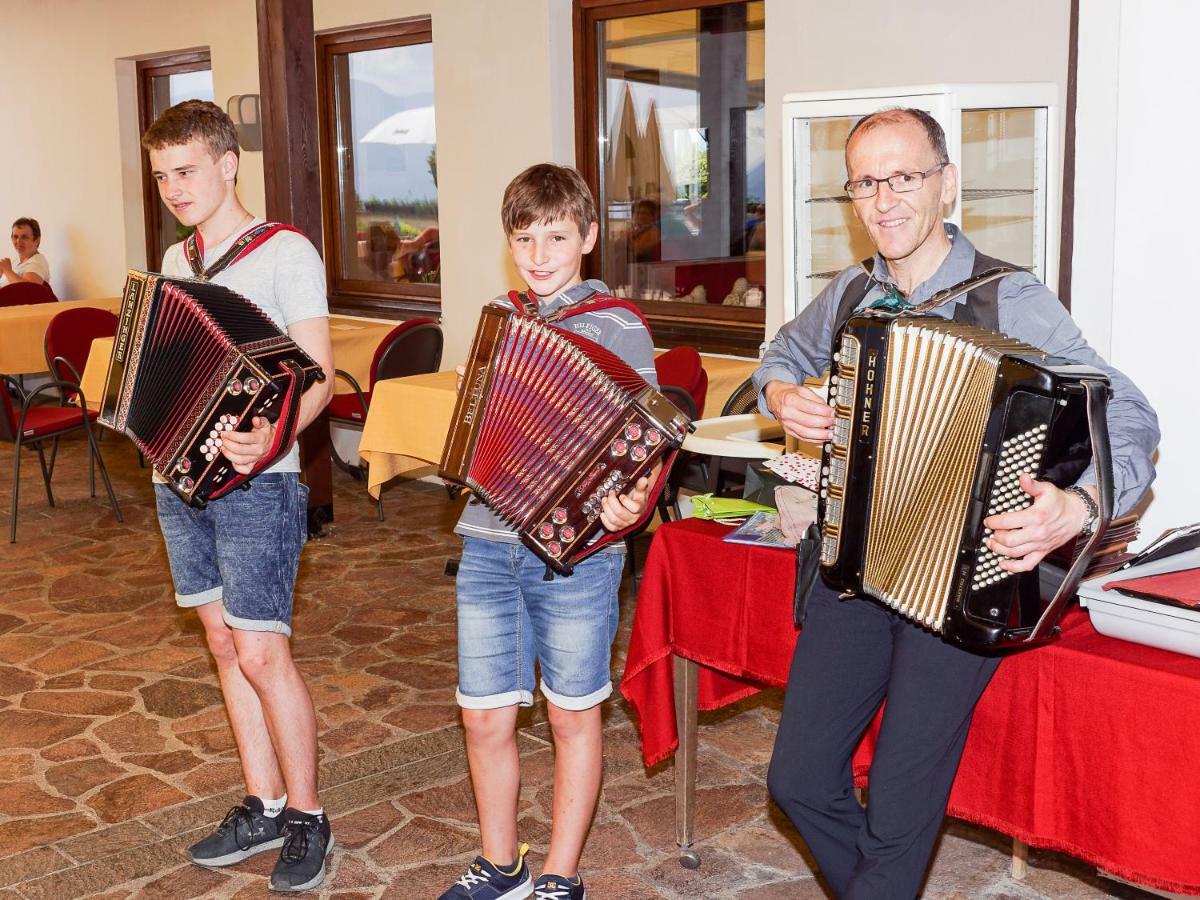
x=567, y=533
x=619, y=447
x=653, y=437
x=235, y=387
x=559, y=516
x=546, y=531
x=633, y=432
x=554, y=548
x=638, y=453
x=253, y=385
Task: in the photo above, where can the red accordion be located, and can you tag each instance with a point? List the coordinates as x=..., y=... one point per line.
x=546, y=424
x=192, y=360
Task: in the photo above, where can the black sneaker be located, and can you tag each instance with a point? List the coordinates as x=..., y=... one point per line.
x=555, y=887
x=243, y=832
x=306, y=842
x=483, y=881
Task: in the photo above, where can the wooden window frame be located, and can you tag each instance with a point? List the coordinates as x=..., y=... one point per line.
x=722, y=329
x=346, y=295
x=148, y=69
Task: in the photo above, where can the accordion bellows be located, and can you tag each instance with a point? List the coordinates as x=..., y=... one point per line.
x=546, y=424
x=934, y=423
x=192, y=360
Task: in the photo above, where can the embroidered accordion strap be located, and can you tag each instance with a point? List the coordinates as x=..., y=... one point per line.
x=591, y=302
x=193, y=248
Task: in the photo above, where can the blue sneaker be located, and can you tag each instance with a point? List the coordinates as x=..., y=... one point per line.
x=484, y=881
x=556, y=887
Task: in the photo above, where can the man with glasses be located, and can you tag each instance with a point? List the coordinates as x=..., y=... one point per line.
x=853, y=653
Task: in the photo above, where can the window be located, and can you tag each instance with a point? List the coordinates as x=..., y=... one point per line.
x=379, y=168
x=670, y=119
x=162, y=82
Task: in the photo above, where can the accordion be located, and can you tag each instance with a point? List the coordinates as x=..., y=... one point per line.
x=546, y=424
x=192, y=360
x=934, y=422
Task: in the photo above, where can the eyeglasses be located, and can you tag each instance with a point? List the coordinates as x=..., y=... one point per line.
x=902, y=183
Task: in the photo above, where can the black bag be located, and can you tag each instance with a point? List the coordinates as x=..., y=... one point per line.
x=808, y=555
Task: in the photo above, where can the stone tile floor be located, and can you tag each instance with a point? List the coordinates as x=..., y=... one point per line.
x=115, y=752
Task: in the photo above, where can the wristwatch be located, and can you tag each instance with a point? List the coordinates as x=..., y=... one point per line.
x=1093, y=512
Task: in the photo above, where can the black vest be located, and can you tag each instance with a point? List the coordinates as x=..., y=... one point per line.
x=981, y=307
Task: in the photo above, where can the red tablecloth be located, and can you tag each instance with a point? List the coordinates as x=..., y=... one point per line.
x=1089, y=746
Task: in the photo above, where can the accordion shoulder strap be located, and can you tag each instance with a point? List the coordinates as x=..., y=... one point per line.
x=253, y=238
x=982, y=309
x=596, y=303
x=1096, y=393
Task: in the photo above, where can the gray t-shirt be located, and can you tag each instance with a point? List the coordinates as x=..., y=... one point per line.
x=284, y=277
x=616, y=329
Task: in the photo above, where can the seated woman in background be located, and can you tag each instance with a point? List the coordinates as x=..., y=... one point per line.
x=30, y=265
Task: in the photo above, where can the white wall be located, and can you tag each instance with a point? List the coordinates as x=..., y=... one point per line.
x=64, y=165
x=1135, y=210
x=504, y=101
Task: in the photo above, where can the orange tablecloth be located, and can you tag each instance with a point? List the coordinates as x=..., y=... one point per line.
x=1087, y=746
x=406, y=425
x=23, y=332
x=354, y=342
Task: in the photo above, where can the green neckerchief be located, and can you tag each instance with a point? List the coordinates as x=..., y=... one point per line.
x=892, y=300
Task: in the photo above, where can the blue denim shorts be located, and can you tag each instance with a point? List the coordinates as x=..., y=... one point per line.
x=509, y=617
x=243, y=549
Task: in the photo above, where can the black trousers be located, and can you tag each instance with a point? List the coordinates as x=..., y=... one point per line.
x=851, y=655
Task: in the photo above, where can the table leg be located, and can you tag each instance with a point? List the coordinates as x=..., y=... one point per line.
x=686, y=673
x=1020, y=859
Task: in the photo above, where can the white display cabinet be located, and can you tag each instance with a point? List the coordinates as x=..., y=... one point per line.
x=1004, y=138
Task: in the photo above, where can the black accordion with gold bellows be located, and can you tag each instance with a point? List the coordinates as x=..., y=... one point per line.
x=191, y=361
x=546, y=424
x=934, y=423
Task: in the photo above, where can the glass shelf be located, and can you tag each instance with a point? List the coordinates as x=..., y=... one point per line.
x=969, y=194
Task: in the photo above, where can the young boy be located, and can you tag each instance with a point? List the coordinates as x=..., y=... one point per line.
x=509, y=615
x=235, y=561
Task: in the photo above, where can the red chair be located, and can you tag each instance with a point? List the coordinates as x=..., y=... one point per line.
x=682, y=367
x=68, y=341
x=24, y=293
x=411, y=348
x=34, y=425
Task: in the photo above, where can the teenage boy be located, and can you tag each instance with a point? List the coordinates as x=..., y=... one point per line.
x=510, y=615
x=235, y=561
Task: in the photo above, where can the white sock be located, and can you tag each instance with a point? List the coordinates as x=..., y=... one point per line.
x=272, y=808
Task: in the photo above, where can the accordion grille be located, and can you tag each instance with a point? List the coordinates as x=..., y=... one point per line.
x=938, y=387
x=192, y=337
x=547, y=405
x=180, y=351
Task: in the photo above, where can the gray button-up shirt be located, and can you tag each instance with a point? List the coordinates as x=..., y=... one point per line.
x=1028, y=311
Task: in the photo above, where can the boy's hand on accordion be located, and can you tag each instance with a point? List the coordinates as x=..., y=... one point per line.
x=1025, y=536
x=800, y=410
x=244, y=449
x=622, y=511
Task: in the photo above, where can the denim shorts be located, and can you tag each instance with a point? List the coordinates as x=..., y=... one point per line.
x=510, y=617
x=243, y=549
